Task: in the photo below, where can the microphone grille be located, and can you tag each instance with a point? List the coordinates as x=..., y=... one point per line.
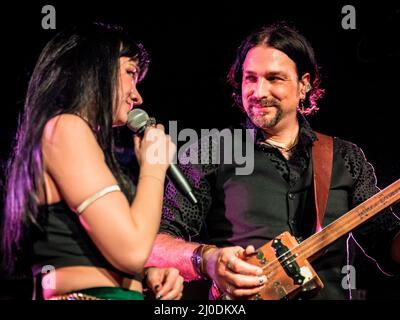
x=137, y=119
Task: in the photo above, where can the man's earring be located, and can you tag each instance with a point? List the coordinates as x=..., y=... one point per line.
x=302, y=108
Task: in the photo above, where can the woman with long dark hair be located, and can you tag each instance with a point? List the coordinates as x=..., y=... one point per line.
x=88, y=228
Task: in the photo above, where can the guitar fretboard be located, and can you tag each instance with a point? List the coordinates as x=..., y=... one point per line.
x=363, y=212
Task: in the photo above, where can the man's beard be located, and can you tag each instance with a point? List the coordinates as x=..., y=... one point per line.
x=258, y=118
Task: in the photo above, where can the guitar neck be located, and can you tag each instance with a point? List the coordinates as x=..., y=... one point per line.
x=310, y=247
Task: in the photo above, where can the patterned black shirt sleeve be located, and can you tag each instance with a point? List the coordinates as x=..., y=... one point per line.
x=376, y=235
x=180, y=218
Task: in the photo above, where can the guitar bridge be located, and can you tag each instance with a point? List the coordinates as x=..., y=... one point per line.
x=287, y=261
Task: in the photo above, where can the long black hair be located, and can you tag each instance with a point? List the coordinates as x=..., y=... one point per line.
x=76, y=73
x=287, y=39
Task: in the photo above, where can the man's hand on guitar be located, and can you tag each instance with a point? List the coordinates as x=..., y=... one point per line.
x=233, y=276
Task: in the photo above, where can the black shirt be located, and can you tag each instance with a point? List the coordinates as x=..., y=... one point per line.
x=62, y=241
x=278, y=196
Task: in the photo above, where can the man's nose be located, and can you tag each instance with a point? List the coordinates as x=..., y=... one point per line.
x=262, y=89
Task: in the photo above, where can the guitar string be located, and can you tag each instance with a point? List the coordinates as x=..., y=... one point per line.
x=289, y=254
x=273, y=265
x=289, y=257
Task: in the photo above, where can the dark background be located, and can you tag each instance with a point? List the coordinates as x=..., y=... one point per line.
x=192, y=46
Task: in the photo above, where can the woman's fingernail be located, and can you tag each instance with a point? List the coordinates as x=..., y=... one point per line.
x=159, y=297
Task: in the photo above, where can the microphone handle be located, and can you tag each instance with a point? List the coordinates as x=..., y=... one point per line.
x=180, y=182
x=173, y=173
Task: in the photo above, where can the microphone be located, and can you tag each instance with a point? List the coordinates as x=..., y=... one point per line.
x=138, y=121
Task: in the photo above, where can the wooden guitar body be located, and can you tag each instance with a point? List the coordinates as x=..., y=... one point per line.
x=287, y=275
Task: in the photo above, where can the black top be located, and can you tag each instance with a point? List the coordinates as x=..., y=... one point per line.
x=63, y=242
x=278, y=196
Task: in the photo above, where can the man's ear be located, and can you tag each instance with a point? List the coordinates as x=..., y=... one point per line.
x=305, y=85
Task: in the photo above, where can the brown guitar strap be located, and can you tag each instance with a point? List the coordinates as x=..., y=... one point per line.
x=322, y=158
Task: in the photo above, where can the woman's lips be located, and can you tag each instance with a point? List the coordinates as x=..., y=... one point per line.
x=130, y=106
